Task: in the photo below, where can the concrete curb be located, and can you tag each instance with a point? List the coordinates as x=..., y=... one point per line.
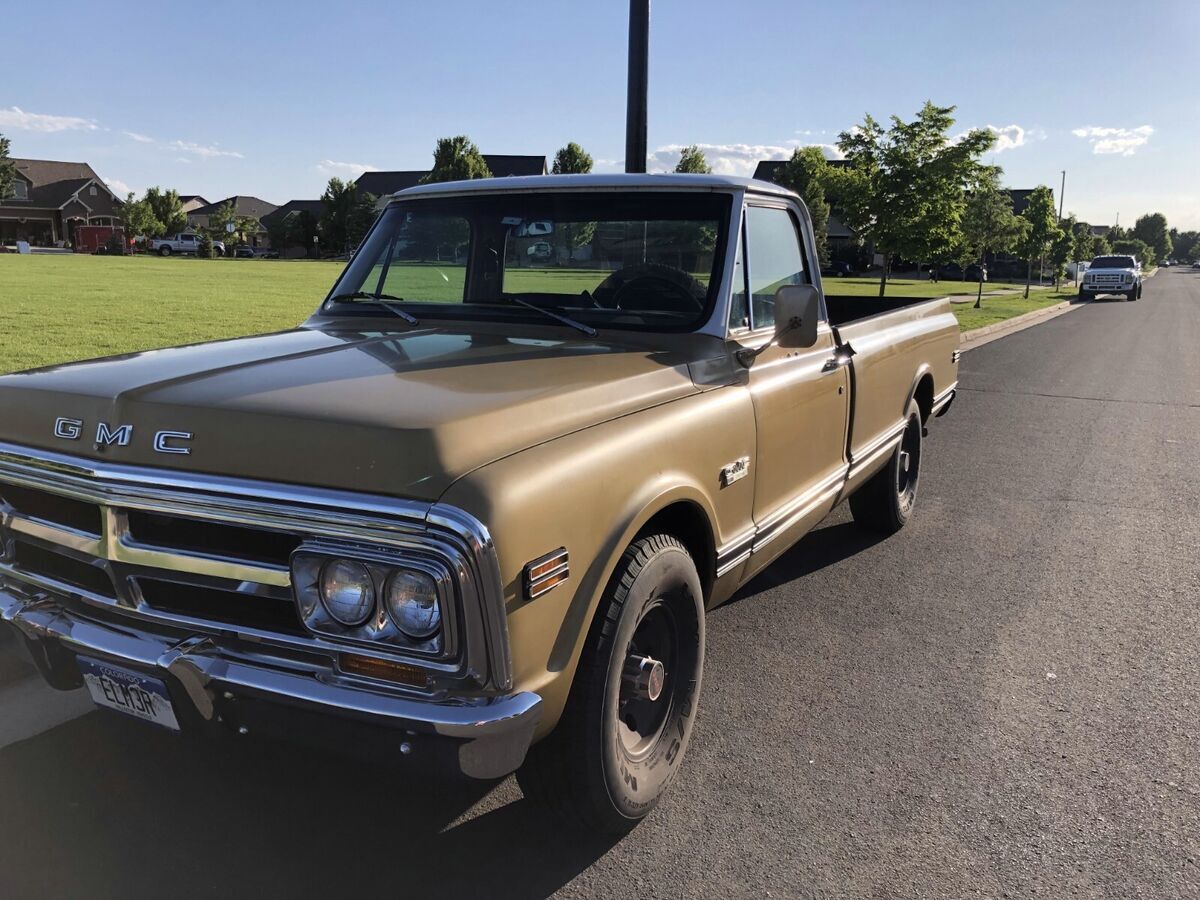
x=979, y=336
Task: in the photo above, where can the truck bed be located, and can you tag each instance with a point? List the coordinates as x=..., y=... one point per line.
x=846, y=308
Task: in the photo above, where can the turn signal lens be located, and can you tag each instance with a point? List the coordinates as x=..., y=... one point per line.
x=412, y=602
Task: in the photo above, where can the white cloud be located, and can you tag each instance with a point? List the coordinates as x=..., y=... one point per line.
x=183, y=159
x=1008, y=137
x=118, y=187
x=731, y=159
x=140, y=138
x=1122, y=141
x=330, y=167
x=207, y=151
x=15, y=117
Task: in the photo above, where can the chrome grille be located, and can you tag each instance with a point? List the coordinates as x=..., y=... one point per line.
x=211, y=555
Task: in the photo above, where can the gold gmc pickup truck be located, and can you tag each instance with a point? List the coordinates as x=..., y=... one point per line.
x=470, y=515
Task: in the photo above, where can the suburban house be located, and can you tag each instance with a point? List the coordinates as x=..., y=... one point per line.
x=242, y=206
x=384, y=184
x=49, y=199
x=192, y=202
x=291, y=210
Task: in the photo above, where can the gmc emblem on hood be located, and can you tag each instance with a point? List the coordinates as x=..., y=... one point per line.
x=120, y=436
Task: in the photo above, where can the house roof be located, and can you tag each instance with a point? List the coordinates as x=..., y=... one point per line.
x=505, y=166
x=52, y=183
x=381, y=184
x=766, y=169
x=187, y=198
x=313, y=207
x=242, y=205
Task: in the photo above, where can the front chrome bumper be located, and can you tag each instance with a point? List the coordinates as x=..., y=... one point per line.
x=226, y=685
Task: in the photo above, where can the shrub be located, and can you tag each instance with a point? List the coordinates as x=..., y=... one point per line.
x=205, y=249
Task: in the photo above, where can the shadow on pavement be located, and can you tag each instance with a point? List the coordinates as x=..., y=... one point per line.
x=101, y=807
x=828, y=545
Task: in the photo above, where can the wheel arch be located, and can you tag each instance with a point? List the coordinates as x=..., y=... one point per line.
x=923, y=392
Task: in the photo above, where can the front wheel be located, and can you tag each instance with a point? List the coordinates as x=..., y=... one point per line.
x=629, y=717
x=885, y=503
x=1132, y=295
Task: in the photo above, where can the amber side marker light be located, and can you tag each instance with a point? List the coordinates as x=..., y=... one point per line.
x=353, y=664
x=546, y=572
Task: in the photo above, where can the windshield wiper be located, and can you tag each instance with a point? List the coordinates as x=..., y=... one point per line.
x=380, y=300
x=566, y=320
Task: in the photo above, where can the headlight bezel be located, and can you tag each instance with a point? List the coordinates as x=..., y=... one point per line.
x=378, y=631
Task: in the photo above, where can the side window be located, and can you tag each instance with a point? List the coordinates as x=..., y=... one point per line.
x=773, y=248
x=739, y=312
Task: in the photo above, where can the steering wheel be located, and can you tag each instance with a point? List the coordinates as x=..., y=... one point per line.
x=651, y=287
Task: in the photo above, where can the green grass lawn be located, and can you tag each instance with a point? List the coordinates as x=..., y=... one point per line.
x=997, y=309
x=907, y=287
x=59, y=308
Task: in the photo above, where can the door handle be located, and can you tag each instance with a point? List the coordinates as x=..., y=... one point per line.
x=834, y=364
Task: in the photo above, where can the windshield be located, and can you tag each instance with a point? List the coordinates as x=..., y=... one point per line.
x=1114, y=262
x=639, y=260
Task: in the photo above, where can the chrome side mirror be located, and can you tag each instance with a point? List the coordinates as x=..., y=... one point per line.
x=797, y=309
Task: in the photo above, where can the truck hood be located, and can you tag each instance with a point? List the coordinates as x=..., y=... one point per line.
x=400, y=413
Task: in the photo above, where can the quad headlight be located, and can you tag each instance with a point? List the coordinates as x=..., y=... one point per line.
x=412, y=603
x=347, y=591
x=373, y=596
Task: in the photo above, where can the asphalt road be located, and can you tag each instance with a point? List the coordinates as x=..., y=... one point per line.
x=1003, y=700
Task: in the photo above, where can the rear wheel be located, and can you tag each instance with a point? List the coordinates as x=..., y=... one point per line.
x=164, y=250
x=628, y=720
x=885, y=503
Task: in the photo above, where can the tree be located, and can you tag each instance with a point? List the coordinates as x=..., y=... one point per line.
x=362, y=217
x=1085, y=244
x=223, y=216
x=572, y=160
x=1062, y=249
x=456, y=159
x=905, y=189
x=692, y=162
x=1152, y=230
x=1100, y=246
x=8, y=169
x=988, y=223
x=806, y=173
x=338, y=200
x=205, y=248
x=138, y=219
x=1137, y=248
x=1043, y=229
x=1185, y=243
x=168, y=209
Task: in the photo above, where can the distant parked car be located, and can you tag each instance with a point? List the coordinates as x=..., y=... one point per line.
x=540, y=251
x=1196, y=264
x=838, y=267
x=184, y=242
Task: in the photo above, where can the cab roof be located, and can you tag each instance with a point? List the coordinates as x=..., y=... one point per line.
x=659, y=182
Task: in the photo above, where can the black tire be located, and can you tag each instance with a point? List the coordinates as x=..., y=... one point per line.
x=1132, y=295
x=164, y=251
x=616, y=750
x=885, y=503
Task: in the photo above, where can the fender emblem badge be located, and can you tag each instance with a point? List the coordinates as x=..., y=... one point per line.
x=736, y=470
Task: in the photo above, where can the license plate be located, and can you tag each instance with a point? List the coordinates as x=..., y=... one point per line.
x=129, y=692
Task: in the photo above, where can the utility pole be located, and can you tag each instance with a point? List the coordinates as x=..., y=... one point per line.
x=1062, y=195
x=639, y=79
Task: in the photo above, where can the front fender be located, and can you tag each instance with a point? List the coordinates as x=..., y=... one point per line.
x=592, y=492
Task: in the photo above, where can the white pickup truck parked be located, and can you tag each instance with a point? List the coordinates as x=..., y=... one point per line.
x=1112, y=275
x=184, y=242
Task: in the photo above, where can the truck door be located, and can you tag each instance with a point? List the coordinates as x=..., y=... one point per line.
x=801, y=397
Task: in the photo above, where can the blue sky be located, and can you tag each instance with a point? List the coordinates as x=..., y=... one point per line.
x=270, y=99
